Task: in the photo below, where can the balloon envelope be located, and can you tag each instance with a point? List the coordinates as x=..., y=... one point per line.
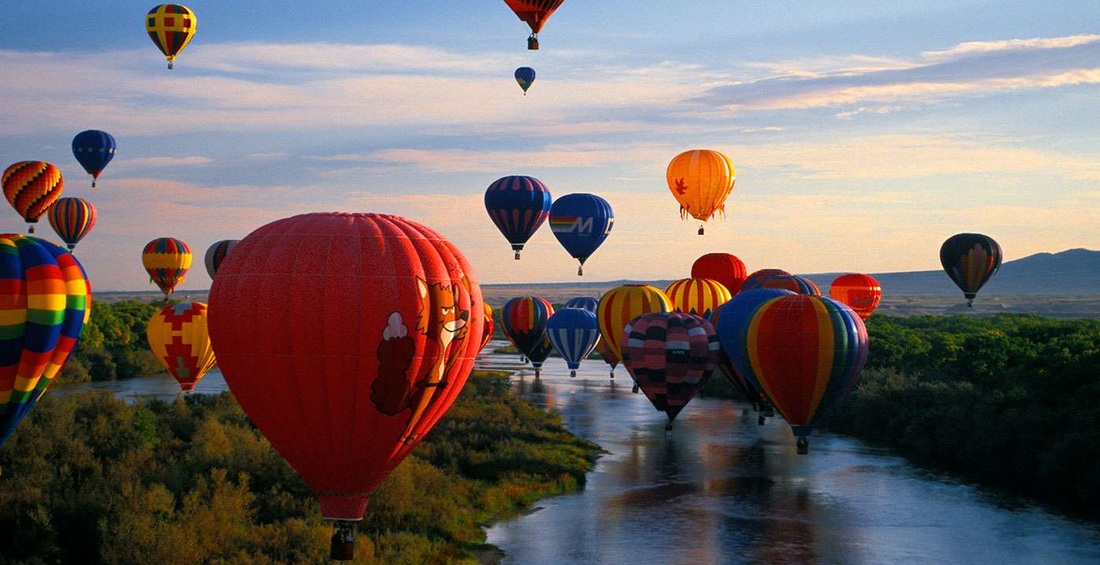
x=45, y=303
x=171, y=27
x=490, y=326
x=700, y=180
x=581, y=223
x=345, y=338
x=518, y=205
x=970, y=259
x=523, y=319
x=722, y=267
x=31, y=187
x=697, y=296
x=535, y=14
x=216, y=253
x=180, y=340
x=93, y=149
x=525, y=76
x=860, y=292
x=793, y=283
x=756, y=278
x=573, y=332
x=167, y=260
x=624, y=303
x=72, y=219
x=731, y=322
x=670, y=356
x=585, y=302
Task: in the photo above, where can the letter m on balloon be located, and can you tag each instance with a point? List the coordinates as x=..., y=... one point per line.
x=570, y=224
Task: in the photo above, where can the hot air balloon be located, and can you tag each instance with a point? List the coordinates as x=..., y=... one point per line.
x=793, y=283
x=697, y=296
x=166, y=259
x=805, y=353
x=605, y=352
x=523, y=320
x=535, y=13
x=731, y=321
x=756, y=278
x=970, y=259
x=573, y=332
x=670, y=356
x=72, y=219
x=31, y=187
x=525, y=76
x=43, y=309
x=518, y=205
x=487, y=332
x=622, y=304
x=179, y=339
x=860, y=292
x=700, y=179
x=581, y=222
x=171, y=27
x=585, y=302
x=93, y=149
x=216, y=253
x=722, y=267
x=401, y=313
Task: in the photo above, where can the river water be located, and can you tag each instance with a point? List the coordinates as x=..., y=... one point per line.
x=722, y=489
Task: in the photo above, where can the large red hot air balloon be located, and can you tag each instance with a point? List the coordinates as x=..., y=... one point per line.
x=535, y=13
x=345, y=337
x=860, y=292
x=722, y=267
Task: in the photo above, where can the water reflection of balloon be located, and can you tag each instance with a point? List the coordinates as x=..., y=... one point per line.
x=670, y=356
x=518, y=205
x=525, y=76
x=71, y=219
x=700, y=180
x=970, y=259
x=167, y=260
x=581, y=223
x=573, y=332
x=93, y=149
x=805, y=353
x=171, y=27
x=402, y=315
x=860, y=292
x=42, y=315
x=179, y=339
x=722, y=267
x=697, y=296
x=31, y=187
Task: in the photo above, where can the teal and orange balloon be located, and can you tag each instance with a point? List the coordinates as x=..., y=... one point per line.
x=72, y=219
x=167, y=260
x=44, y=303
x=31, y=187
x=805, y=353
x=970, y=259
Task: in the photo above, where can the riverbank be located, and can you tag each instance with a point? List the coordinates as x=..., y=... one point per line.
x=92, y=478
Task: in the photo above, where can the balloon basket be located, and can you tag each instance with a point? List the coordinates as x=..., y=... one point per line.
x=342, y=547
x=803, y=445
x=634, y=389
x=517, y=255
x=760, y=420
x=700, y=230
x=573, y=374
x=533, y=43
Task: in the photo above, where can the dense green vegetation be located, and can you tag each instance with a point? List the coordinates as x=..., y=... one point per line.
x=90, y=479
x=113, y=344
x=1011, y=401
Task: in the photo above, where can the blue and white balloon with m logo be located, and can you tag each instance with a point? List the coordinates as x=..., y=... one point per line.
x=581, y=222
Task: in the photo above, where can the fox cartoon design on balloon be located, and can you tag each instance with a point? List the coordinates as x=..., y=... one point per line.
x=438, y=318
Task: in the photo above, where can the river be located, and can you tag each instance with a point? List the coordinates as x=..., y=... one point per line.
x=722, y=489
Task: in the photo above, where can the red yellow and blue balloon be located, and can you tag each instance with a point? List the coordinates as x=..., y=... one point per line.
x=697, y=296
x=167, y=260
x=45, y=300
x=31, y=187
x=171, y=27
x=179, y=339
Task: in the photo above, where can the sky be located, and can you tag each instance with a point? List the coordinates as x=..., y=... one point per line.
x=864, y=133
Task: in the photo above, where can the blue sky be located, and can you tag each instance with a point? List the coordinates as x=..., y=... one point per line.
x=863, y=135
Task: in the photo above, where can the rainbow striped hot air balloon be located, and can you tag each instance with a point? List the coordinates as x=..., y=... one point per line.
x=804, y=353
x=72, y=219
x=44, y=303
x=31, y=187
x=670, y=356
x=518, y=205
x=179, y=339
x=166, y=259
x=697, y=296
x=523, y=320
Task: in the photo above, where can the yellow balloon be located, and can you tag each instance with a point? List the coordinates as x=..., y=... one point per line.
x=697, y=296
x=701, y=179
x=180, y=341
x=171, y=27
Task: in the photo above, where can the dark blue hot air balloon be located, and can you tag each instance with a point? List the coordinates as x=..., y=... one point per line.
x=93, y=149
x=573, y=332
x=581, y=222
x=584, y=302
x=525, y=76
x=518, y=205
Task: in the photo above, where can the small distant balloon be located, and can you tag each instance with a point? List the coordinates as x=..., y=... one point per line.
x=970, y=259
x=217, y=253
x=756, y=278
x=93, y=149
x=581, y=223
x=518, y=205
x=573, y=332
x=72, y=219
x=860, y=292
x=525, y=76
x=584, y=302
x=171, y=27
x=167, y=260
